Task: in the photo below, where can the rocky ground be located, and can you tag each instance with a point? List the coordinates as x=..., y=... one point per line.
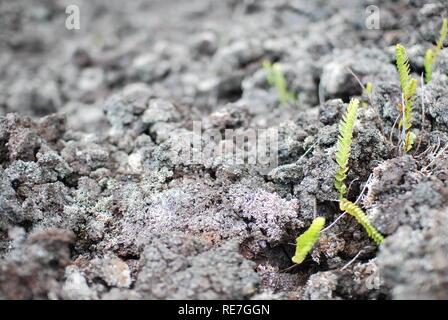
x=95, y=205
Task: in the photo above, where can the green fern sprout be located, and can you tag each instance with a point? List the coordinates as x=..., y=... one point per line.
x=431, y=54
x=408, y=88
x=306, y=240
x=344, y=146
x=403, y=65
x=276, y=78
x=443, y=34
x=368, y=88
x=346, y=126
x=354, y=210
x=270, y=75
x=429, y=61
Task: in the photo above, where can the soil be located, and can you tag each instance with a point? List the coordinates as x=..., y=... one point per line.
x=94, y=203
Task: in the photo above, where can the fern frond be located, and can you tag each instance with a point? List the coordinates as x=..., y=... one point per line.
x=267, y=66
x=443, y=34
x=354, y=210
x=344, y=146
x=409, y=100
x=408, y=88
x=276, y=78
x=306, y=240
x=429, y=61
x=368, y=88
x=431, y=54
x=409, y=140
x=403, y=66
x=407, y=116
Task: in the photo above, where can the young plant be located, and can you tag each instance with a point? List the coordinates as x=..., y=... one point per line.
x=342, y=156
x=368, y=88
x=431, y=54
x=276, y=78
x=306, y=240
x=344, y=146
x=429, y=61
x=354, y=210
x=408, y=88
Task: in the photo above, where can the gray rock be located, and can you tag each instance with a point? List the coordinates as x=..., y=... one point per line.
x=413, y=261
x=195, y=271
x=36, y=269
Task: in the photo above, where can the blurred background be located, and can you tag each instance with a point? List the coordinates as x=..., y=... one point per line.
x=198, y=53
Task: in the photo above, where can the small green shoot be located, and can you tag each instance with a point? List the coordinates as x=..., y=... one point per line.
x=368, y=88
x=342, y=156
x=408, y=88
x=443, y=34
x=431, y=54
x=276, y=78
x=306, y=240
x=429, y=61
x=354, y=210
x=344, y=146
